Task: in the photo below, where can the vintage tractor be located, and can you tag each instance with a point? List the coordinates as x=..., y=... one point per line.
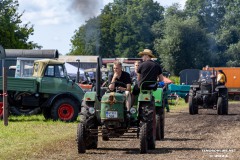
x=106, y=114
x=206, y=94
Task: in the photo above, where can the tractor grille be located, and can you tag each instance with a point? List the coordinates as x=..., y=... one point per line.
x=206, y=88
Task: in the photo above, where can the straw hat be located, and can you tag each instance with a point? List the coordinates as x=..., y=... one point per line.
x=146, y=52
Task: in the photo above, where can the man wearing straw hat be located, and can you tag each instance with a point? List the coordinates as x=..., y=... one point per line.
x=147, y=71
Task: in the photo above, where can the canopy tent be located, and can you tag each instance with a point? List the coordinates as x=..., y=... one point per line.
x=71, y=69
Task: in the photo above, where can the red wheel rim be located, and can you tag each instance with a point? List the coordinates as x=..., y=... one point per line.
x=1, y=109
x=65, y=112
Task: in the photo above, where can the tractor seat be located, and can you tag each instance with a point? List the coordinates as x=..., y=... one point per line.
x=150, y=86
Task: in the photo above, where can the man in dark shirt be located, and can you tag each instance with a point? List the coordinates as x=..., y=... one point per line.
x=133, y=74
x=147, y=71
x=124, y=77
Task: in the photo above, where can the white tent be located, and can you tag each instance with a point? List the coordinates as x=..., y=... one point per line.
x=71, y=69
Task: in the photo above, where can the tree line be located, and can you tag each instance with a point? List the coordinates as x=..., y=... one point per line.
x=204, y=32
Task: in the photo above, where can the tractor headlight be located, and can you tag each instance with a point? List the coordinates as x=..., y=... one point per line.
x=133, y=110
x=91, y=110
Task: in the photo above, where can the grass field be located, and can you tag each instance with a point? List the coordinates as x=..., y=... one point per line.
x=29, y=135
x=25, y=136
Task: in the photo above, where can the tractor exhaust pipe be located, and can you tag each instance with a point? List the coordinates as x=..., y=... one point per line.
x=213, y=80
x=98, y=78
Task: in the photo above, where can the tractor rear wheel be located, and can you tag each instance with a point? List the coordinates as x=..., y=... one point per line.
x=143, y=138
x=160, y=125
x=222, y=106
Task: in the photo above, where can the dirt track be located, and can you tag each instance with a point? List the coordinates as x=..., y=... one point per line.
x=203, y=136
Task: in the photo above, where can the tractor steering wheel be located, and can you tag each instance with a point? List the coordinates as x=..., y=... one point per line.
x=116, y=88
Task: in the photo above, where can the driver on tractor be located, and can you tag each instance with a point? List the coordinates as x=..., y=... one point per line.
x=124, y=77
x=147, y=71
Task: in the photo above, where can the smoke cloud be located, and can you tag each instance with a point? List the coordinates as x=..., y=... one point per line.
x=87, y=8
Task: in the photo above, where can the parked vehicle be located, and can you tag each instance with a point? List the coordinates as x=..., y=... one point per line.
x=206, y=94
x=90, y=75
x=233, y=81
x=106, y=113
x=49, y=90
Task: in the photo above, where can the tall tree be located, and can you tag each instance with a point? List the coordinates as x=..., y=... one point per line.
x=125, y=28
x=184, y=44
x=14, y=34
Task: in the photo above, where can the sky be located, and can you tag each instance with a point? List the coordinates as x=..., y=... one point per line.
x=55, y=21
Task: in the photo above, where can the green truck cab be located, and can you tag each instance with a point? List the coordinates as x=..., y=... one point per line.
x=49, y=90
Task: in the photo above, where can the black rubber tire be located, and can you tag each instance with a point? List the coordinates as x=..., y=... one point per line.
x=152, y=127
x=160, y=124
x=158, y=133
x=236, y=98
x=81, y=138
x=105, y=137
x=64, y=109
x=219, y=106
x=24, y=112
x=143, y=138
x=225, y=108
x=193, y=108
x=47, y=113
x=222, y=106
x=94, y=139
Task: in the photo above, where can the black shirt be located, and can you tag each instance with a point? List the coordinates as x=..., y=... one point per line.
x=149, y=71
x=124, y=78
x=133, y=74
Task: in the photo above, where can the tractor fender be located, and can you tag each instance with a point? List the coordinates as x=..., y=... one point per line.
x=144, y=97
x=89, y=96
x=53, y=99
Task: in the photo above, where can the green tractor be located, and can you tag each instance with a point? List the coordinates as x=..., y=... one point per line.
x=106, y=113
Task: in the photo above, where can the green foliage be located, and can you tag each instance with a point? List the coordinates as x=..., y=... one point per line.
x=121, y=30
x=14, y=34
x=184, y=44
x=205, y=32
x=175, y=79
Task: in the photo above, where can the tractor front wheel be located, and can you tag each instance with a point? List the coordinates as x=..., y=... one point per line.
x=193, y=107
x=81, y=139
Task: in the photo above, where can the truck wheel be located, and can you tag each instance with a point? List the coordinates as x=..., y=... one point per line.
x=24, y=111
x=193, y=108
x=65, y=110
x=143, y=138
x=47, y=113
x=1, y=110
x=81, y=138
